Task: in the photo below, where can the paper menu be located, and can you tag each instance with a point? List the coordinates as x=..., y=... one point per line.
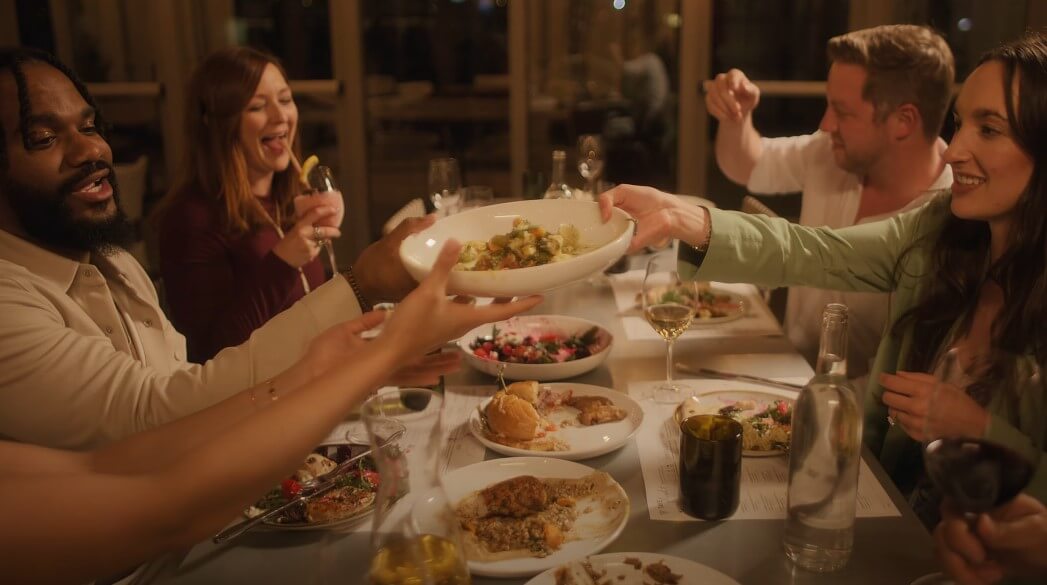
x=764, y=479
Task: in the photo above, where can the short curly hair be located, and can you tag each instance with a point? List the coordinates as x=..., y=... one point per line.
x=12, y=59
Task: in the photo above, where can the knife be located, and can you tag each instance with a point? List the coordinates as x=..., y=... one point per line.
x=737, y=377
x=322, y=487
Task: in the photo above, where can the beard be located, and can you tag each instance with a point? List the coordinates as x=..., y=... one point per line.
x=47, y=216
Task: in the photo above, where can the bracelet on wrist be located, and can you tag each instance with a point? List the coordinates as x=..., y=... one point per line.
x=365, y=305
x=695, y=254
x=270, y=391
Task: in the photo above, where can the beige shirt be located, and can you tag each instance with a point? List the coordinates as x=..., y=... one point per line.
x=87, y=356
x=831, y=197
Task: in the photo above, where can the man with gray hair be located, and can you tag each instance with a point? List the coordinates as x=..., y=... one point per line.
x=876, y=154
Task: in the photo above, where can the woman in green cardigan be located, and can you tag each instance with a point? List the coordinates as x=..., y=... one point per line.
x=969, y=269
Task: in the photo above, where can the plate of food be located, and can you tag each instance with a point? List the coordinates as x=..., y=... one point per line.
x=565, y=421
x=712, y=306
x=350, y=500
x=523, y=515
x=522, y=247
x=632, y=568
x=537, y=347
x=765, y=416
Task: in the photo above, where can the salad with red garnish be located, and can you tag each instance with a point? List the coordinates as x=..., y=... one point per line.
x=548, y=348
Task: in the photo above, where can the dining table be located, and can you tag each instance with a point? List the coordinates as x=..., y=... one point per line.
x=887, y=550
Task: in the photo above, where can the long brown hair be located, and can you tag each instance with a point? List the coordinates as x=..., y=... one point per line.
x=960, y=252
x=214, y=163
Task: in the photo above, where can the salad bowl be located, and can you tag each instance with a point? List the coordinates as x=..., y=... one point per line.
x=537, y=347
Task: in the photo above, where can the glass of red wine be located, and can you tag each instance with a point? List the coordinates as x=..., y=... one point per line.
x=973, y=472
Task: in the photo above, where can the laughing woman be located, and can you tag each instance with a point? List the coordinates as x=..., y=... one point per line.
x=968, y=269
x=232, y=252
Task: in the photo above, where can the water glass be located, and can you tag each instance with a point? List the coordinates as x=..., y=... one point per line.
x=445, y=186
x=415, y=539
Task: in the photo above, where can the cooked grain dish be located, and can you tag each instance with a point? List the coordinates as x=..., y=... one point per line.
x=525, y=246
x=529, y=516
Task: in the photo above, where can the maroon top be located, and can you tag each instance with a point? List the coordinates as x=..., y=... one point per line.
x=220, y=288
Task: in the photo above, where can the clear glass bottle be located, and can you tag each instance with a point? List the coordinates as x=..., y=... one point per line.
x=558, y=187
x=823, y=457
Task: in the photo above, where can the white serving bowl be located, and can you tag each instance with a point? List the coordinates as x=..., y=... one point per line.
x=537, y=325
x=603, y=244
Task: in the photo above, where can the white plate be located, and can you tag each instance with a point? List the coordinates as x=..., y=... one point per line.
x=584, y=442
x=466, y=480
x=621, y=573
x=711, y=401
x=698, y=322
x=603, y=243
x=354, y=518
x=538, y=325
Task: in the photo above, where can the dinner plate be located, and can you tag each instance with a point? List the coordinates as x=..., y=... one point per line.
x=711, y=401
x=735, y=298
x=465, y=480
x=699, y=321
x=584, y=442
x=622, y=570
x=602, y=244
x=337, y=452
x=537, y=326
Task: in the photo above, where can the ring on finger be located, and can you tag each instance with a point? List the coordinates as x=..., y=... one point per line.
x=318, y=235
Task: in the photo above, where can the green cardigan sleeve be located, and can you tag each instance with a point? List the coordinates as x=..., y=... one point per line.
x=1002, y=432
x=773, y=252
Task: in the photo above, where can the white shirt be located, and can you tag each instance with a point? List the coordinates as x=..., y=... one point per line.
x=87, y=355
x=831, y=197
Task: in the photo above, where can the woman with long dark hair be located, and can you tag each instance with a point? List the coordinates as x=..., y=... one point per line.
x=233, y=253
x=967, y=270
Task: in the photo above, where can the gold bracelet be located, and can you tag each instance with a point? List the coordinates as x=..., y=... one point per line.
x=270, y=389
x=365, y=305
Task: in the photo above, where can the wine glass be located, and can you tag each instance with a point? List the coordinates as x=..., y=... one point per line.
x=974, y=472
x=669, y=304
x=445, y=186
x=477, y=196
x=323, y=190
x=416, y=538
x=590, y=160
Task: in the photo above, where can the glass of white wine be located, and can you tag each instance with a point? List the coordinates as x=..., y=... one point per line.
x=416, y=539
x=669, y=306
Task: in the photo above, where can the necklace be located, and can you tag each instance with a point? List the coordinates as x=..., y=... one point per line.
x=280, y=232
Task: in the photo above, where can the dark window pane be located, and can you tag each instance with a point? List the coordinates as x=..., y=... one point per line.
x=437, y=81
x=297, y=31
x=776, y=40
x=610, y=69
x=970, y=26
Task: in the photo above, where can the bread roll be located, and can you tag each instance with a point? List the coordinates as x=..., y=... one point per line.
x=512, y=417
x=528, y=390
